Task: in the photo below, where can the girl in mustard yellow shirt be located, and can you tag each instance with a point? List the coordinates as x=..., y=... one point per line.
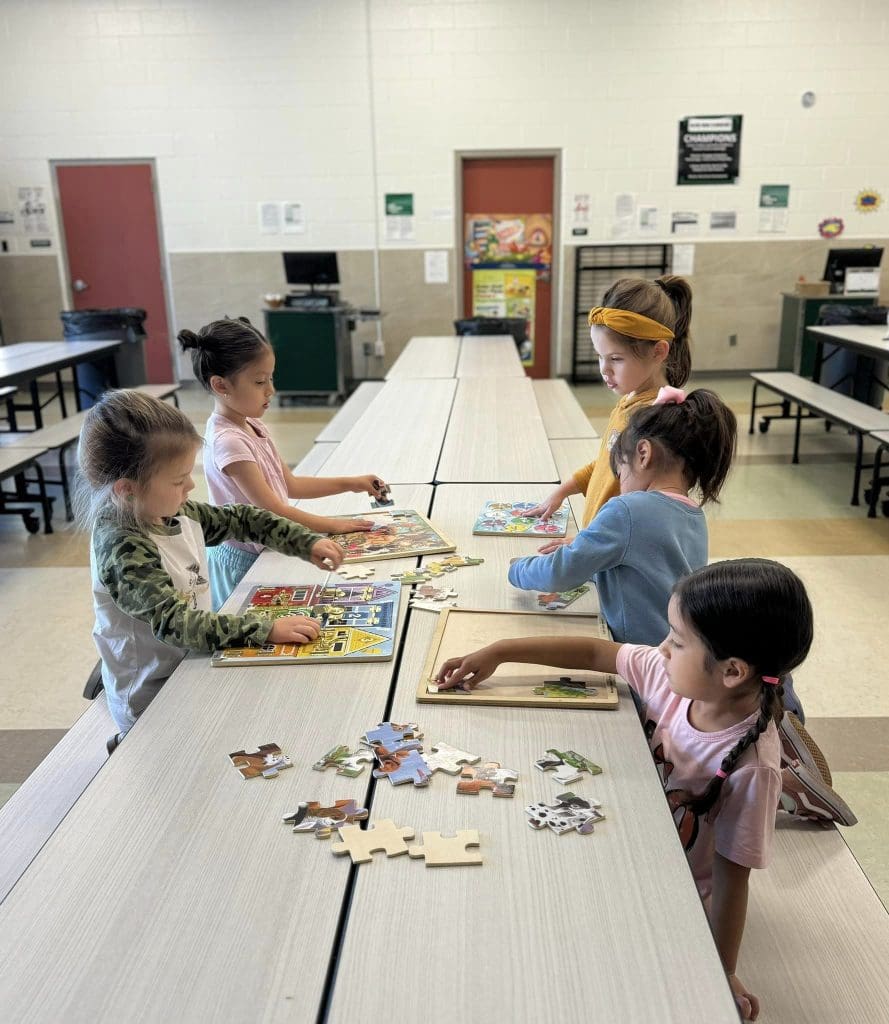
x=640, y=333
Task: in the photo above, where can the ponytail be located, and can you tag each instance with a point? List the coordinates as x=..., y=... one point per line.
x=678, y=364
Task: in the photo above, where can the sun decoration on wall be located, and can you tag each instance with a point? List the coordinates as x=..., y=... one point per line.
x=868, y=200
x=831, y=227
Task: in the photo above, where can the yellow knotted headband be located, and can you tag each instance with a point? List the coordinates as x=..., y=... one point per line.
x=633, y=325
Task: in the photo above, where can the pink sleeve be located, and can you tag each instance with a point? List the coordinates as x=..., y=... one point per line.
x=643, y=668
x=229, y=446
x=745, y=822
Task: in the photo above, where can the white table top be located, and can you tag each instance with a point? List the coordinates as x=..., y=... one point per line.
x=399, y=435
x=427, y=356
x=562, y=414
x=489, y=355
x=871, y=338
x=353, y=407
x=495, y=434
x=577, y=910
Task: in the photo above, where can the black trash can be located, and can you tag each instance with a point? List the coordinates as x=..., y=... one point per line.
x=126, y=323
x=514, y=325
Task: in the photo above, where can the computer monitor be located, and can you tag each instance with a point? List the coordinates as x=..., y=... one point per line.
x=841, y=260
x=311, y=268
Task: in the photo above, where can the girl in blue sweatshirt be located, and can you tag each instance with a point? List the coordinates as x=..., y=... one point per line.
x=641, y=543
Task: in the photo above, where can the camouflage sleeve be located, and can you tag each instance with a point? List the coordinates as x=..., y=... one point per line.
x=129, y=565
x=247, y=523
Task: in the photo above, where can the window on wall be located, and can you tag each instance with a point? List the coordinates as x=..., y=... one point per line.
x=596, y=268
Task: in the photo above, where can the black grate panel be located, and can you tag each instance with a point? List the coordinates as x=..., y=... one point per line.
x=596, y=268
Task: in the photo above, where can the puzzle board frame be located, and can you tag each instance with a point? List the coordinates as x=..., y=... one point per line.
x=362, y=610
x=437, y=544
x=499, y=514
x=463, y=630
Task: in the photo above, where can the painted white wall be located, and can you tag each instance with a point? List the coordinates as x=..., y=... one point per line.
x=270, y=100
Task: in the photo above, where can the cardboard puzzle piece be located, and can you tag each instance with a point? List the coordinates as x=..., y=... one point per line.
x=445, y=758
x=448, y=851
x=433, y=599
x=355, y=572
x=401, y=513
x=384, y=497
x=430, y=606
x=401, y=766
x=361, y=844
x=389, y=733
x=410, y=576
x=558, y=600
x=267, y=761
x=565, y=686
x=345, y=761
x=490, y=775
x=569, y=813
x=312, y=817
x=568, y=765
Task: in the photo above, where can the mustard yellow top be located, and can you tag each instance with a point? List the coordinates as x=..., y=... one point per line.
x=596, y=480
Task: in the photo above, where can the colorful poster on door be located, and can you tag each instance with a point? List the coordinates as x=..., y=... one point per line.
x=507, y=293
x=509, y=239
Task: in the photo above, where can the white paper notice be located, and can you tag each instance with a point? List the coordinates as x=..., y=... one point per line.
x=723, y=221
x=684, y=222
x=269, y=218
x=648, y=219
x=294, y=218
x=581, y=213
x=624, y=215
x=399, y=227
x=32, y=210
x=435, y=262
x=773, y=221
x=683, y=260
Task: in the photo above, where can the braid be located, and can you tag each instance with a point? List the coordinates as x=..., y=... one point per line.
x=771, y=708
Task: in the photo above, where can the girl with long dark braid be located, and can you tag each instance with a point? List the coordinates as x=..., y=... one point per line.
x=711, y=696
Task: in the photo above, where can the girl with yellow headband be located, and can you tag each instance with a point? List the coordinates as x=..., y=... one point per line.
x=640, y=333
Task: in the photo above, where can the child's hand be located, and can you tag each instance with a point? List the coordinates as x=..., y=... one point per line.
x=747, y=1003
x=467, y=672
x=372, y=484
x=349, y=525
x=294, y=629
x=552, y=545
x=546, y=508
x=326, y=554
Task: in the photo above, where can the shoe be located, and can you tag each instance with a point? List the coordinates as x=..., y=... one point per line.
x=113, y=743
x=798, y=745
x=805, y=795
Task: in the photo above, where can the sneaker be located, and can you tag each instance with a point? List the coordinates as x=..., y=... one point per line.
x=798, y=745
x=113, y=743
x=805, y=795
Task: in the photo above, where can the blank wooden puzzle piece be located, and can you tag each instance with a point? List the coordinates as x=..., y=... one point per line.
x=446, y=758
x=267, y=761
x=448, y=851
x=345, y=761
x=501, y=781
x=312, y=817
x=568, y=764
x=569, y=813
x=401, y=766
x=355, y=572
x=361, y=844
x=389, y=733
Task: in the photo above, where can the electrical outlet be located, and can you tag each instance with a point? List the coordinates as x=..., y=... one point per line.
x=732, y=340
x=368, y=348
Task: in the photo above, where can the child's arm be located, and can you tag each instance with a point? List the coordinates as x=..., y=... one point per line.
x=602, y=545
x=469, y=670
x=550, y=505
x=246, y=523
x=249, y=478
x=324, y=486
x=129, y=566
x=728, y=914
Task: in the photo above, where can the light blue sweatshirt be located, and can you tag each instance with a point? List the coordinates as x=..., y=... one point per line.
x=637, y=547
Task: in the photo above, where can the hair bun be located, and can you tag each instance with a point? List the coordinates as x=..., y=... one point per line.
x=188, y=339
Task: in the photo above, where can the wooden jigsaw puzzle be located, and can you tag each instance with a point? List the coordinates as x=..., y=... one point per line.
x=358, y=622
x=507, y=518
x=448, y=851
x=461, y=631
x=396, y=534
x=361, y=844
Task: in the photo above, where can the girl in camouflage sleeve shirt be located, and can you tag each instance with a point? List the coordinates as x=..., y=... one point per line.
x=148, y=553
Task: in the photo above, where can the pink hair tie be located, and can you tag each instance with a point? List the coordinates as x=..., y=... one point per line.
x=669, y=396
x=720, y=774
x=771, y=680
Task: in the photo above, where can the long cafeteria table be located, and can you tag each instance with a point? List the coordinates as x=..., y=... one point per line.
x=427, y=356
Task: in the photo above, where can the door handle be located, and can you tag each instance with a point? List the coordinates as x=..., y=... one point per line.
x=79, y=286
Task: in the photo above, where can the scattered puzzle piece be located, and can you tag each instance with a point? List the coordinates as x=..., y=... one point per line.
x=361, y=844
x=557, y=601
x=266, y=761
x=433, y=599
x=346, y=763
x=389, y=733
x=400, y=766
x=565, y=686
x=447, y=851
x=400, y=513
x=456, y=561
x=570, y=812
x=411, y=576
x=446, y=758
x=490, y=775
x=568, y=765
x=312, y=817
x=355, y=572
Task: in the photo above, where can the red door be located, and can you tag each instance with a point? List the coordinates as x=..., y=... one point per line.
x=112, y=245
x=516, y=186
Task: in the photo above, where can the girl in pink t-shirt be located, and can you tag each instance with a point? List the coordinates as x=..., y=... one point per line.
x=235, y=363
x=711, y=695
